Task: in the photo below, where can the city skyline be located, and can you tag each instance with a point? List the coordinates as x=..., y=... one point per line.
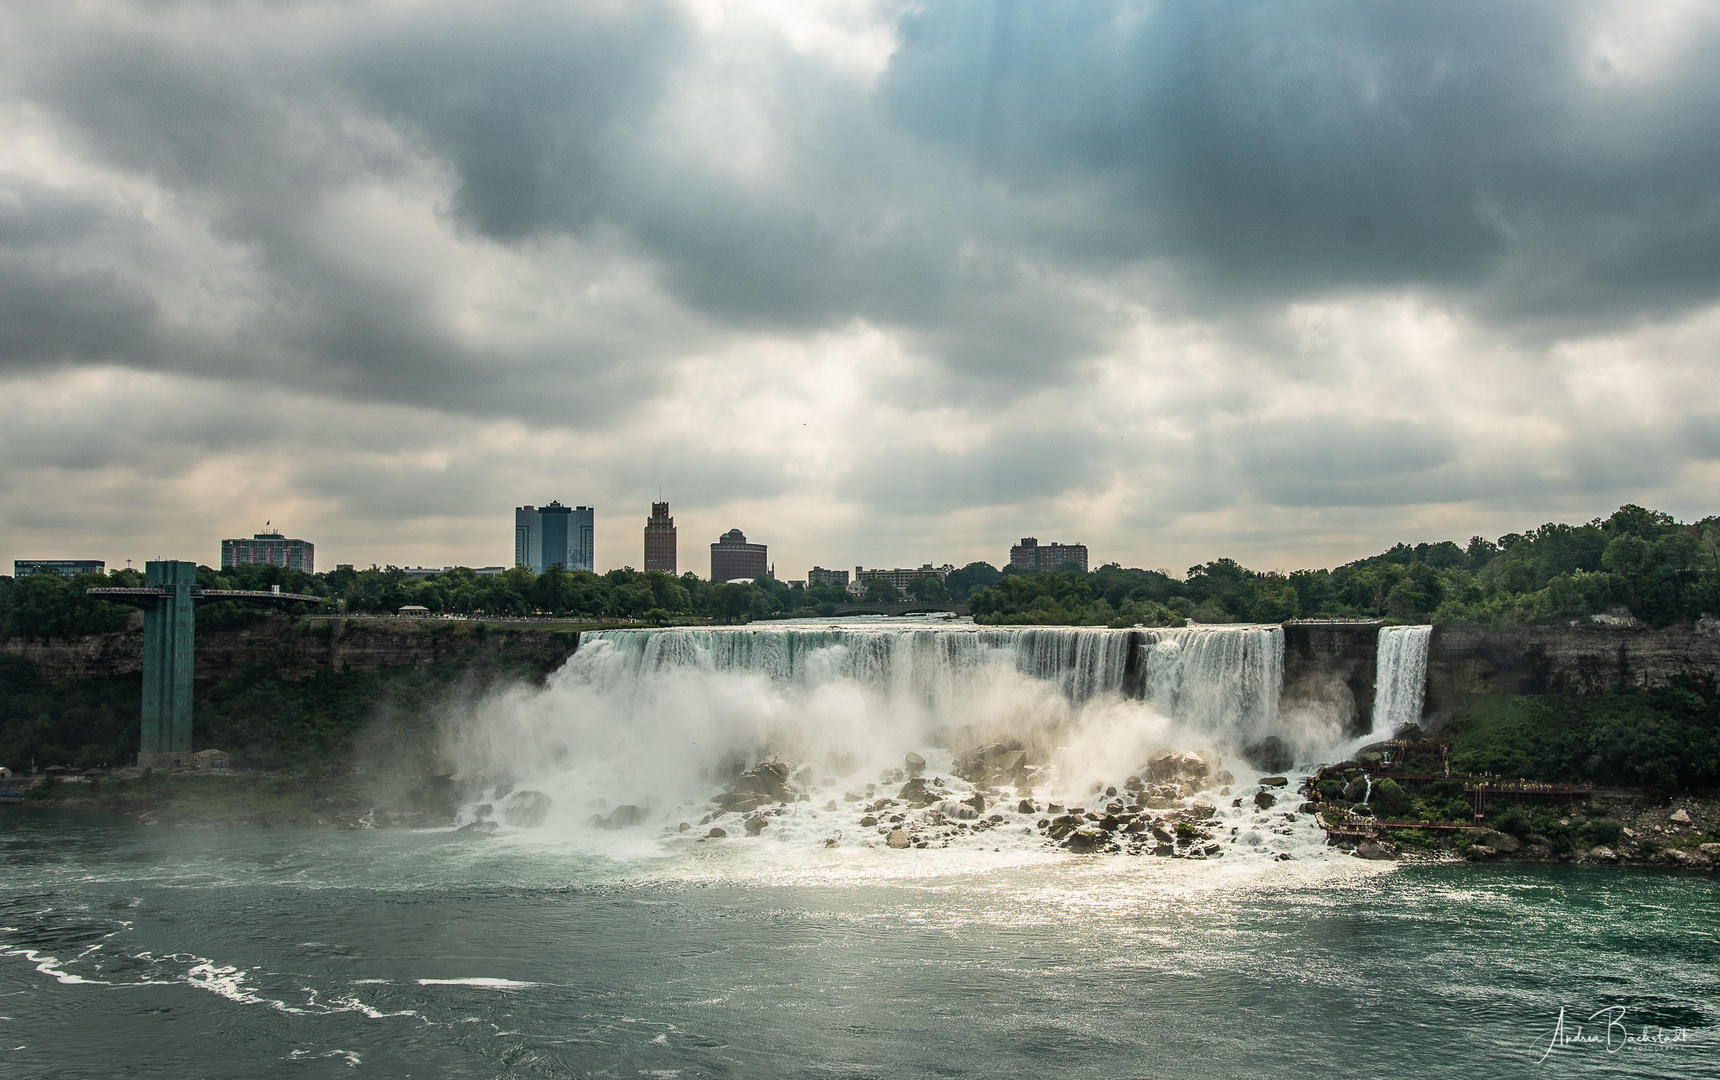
x=763, y=257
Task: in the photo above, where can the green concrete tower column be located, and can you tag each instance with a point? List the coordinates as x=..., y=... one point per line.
x=169, y=651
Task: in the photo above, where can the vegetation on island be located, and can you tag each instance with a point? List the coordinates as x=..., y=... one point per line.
x=1638, y=563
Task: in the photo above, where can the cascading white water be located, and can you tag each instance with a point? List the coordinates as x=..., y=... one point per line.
x=671, y=711
x=1400, y=678
x=656, y=721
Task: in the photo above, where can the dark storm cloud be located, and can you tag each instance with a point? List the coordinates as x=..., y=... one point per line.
x=1274, y=151
x=1238, y=155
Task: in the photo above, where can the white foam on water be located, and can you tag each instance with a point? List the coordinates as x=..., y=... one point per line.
x=482, y=982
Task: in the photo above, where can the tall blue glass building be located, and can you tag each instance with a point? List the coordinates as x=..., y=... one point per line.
x=547, y=535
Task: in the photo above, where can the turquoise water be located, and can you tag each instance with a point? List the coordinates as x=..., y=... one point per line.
x=234, y=952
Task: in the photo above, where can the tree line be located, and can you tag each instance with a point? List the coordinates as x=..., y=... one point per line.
x=1637, y=562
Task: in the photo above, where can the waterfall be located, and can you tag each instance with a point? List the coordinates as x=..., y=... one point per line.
x=665, y=714
x=1400, y=678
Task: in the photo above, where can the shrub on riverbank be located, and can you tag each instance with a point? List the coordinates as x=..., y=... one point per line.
x=1666, y=739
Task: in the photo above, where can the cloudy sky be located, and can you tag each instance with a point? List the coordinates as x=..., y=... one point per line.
x=876, y=282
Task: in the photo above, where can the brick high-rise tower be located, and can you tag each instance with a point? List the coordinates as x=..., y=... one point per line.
x=660, y=539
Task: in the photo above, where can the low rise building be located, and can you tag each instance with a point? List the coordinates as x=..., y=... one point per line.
x=900, y=579
x=1031, y=555
x=733, y=559
x=833, y=579
x=62, y=567
x=269, y=548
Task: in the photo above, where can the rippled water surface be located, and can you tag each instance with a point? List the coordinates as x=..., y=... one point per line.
x=233, y=952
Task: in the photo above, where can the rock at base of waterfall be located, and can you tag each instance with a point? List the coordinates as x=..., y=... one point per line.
x=1368, y=849
x=622, y=817
x=526, y=809
x=977, y=802
x=1371, y=758
x=1269, y=755
x=1265, y=800
x=1025, y=806
x=1356, y=789
x=1273, y=781
x=914, y=763
x=1600, y=853
x=1173, y=767
x=914, y=790
x=1224, y=778
x=755, y=824
x=717, y=834
x=1201, y=810
x=479, y=827
x=898, y=838
x=1408, y=733
x=1084, y=841
x=959, y=811
x=1680, y=817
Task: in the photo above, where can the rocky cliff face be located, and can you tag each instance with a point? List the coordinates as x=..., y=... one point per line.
x=1329, y=669
x=1468, y=660
x=298, y=649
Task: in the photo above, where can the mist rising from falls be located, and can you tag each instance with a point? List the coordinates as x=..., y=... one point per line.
x=1400, y=678
x=663, y=715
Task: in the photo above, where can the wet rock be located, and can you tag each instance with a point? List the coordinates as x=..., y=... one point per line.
x=1162, y=834
x=717, y=834
x=853, y=796
x=483, y=811
x=479, y=827
x=502, y=791
x=898, y=838
x=1265, y=800
x=683, y=827
x=977, y=802
x=1710, y=850
x=804, y=776
x=623, y=817
x=526, y=809
x=1600, y=853
x=914, y=763
x=959, y=811
x=1368, y=849
x=1025, y=806
x=1164, y=850
x=1371, y=758
x=1085, y=841
x=1355, y=790
x=738, y=801
x=755, y=824
x=1680, y=817
x=914, y=790
x=1504, y=843
x=1205, y=851
x=1201, y=810
x=1273, y=781
x=1172, y=767
x=1224, y=778
x=868, y=821
x=1268, y=755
